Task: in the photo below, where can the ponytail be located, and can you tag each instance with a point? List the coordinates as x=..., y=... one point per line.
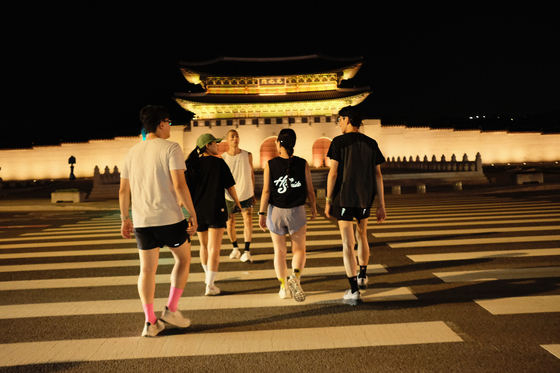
x=191, y=160
x=287, y=139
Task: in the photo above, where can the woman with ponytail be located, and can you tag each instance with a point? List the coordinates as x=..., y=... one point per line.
x=286, y=186
x=207, y=177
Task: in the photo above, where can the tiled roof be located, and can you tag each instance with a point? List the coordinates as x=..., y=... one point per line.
x=253, y=67
x=288, y=97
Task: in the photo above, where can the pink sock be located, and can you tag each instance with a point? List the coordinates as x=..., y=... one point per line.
x=149, y=312
x=174, y=296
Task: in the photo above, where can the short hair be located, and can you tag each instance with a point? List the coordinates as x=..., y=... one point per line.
x=151, y=116
x=230, y=131
x=354, y=114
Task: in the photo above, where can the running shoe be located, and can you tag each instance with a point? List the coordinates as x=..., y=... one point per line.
x=246, y=257
x=235, y=254
x=175, y=318
x=352, y=299
x=285, y=293
x=212, y=290
x=152, y=330
x=363, y=282
x=295, y=288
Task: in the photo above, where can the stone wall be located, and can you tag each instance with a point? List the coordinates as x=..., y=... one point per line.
x=51, y=162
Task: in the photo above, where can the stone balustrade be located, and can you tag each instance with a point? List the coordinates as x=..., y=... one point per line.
x=434, y=165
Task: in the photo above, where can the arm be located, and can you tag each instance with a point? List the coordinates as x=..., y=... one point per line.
x=265, y=195
x=381, y=214
x=183, y=193
x=310, y=192
x=252, y=177
x=124, y=204
x=331, y=180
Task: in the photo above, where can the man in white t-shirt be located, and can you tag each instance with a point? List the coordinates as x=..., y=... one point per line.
x=240, y=163
x=153, y=175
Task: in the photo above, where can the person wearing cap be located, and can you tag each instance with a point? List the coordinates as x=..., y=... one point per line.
x=207, y=176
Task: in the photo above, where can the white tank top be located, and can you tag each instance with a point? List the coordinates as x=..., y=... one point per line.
x=241, y=170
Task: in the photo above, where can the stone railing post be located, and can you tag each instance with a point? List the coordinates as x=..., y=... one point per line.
x=96, y=177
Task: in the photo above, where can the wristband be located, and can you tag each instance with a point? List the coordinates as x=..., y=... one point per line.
x=328, y=199
x=262, y=213
x=123, y=218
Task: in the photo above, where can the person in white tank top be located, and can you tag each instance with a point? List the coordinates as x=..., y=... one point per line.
x=240, y=163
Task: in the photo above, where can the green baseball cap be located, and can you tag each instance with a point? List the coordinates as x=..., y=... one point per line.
x=205, y=139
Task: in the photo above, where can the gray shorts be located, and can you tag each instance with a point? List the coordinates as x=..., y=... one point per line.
x=283, y=221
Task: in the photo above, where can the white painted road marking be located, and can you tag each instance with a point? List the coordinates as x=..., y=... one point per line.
x=104, y=349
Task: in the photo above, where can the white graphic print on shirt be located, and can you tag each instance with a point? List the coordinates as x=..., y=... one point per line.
x=282, y=183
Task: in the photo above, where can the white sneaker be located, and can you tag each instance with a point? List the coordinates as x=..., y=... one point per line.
x=235, y=254
x=212, y=290
x=363, y=282
x=295, y=289
x=175, y=318
x=285, y=293
x=352, y=299
x=246, y=257
x=152, y=330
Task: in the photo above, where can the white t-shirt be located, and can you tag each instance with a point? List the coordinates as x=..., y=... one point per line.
x=241, y=170
x=147, y=166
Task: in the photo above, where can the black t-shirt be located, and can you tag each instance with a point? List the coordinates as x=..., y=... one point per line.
x=211, y=175
x=357, y=155
x=280, y=195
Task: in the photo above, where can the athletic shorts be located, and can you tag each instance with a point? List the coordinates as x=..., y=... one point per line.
x=172, y=235
x=349, y=213
x=203, y=227
x=248, y=203
x=283, y=221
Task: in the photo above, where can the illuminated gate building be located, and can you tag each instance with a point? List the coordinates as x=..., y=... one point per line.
x=260, y=96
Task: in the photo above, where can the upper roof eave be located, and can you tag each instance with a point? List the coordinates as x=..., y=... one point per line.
x=265, y=67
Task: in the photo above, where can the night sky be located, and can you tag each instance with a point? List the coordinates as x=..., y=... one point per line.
x=80, y=71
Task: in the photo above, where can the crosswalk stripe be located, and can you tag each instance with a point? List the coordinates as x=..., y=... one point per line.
x=466, y=231
x=473, y=241
x=53, y=254
x=481, y=214
x=519, y=305
x=477, y=206
x=117, y=233
x=121, y=241
x=421, y=224
x=234, y=301
x=553, y=349
x=422, y=258
x=164, y=279
x=487, y=219
x=136, y=262
x=116, y=228
x=499, y=274
x=276, y=340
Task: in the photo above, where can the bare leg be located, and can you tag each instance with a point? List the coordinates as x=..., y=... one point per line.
x=180, y=272
x=347, y=233
x=232, y=234
x=248, y=224
x=203, y=239
x=280, y=250
x=215, y=236
x=363, y=244
x=298, y=248
x=147, y=277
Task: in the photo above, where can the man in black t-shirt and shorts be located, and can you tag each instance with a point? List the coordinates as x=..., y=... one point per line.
x=352, y=183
